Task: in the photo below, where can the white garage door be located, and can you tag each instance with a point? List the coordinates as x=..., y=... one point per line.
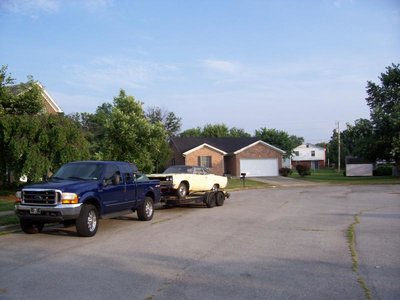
x=259, y=167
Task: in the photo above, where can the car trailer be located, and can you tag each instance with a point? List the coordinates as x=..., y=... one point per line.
x=210, y=199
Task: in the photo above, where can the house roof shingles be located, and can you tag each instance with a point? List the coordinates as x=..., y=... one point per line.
x=226, y=144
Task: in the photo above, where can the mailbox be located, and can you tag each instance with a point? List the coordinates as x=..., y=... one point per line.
x=243, y=177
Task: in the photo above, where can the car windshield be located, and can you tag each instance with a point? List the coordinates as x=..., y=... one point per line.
x=79, y=171
x=179, y=169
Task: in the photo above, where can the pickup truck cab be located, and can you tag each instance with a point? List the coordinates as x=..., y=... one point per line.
x=82, y=192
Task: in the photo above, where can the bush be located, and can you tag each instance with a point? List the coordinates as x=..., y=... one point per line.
x=383, y=171
x=303, y=170
x=285, y=172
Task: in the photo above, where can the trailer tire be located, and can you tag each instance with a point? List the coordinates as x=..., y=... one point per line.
x=210, y=201
x=219, y=198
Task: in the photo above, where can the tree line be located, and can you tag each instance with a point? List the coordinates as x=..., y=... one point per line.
x=35, y=144
x=377, y=138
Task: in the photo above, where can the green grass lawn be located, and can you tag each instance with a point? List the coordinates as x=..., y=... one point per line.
x=7, y=200
x=237, y=184
x=332, y=176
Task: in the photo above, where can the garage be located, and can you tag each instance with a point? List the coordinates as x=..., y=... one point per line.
x=259, y=167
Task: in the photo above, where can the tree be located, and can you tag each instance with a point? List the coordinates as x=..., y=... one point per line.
x=215, y=130
x=169, y=120
x=279, y=139
x=24, y=98
x=192, y=132
x=358, y=140
x=384, y=103
x=129, y=136
x=35, y=145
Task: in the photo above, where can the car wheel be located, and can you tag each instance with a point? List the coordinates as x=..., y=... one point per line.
x=210, y=201
x=88, y=221
x=31, y=227
x=182, y=191
x=220, y=198
x=146, y=211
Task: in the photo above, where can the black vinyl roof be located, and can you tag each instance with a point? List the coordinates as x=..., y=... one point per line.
x=226, y=144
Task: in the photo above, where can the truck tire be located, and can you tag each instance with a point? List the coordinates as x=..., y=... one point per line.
x=88, y=221
x=210, y=201
x=145, y=211
x=31, y=227
x=219, y=198
x=182, y=191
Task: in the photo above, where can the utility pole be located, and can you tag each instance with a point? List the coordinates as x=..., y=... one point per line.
x=338, y=130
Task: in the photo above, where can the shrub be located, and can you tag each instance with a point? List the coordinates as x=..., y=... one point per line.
x=285, y=172
x=303, y=170
x=383, y=170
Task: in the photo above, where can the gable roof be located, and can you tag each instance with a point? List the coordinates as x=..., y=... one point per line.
x=224, y=144
x=204, y=145
x=49, y=103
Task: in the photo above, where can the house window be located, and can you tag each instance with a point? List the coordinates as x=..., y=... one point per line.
x=205, y=161
x=296, y=153
x=312, y=153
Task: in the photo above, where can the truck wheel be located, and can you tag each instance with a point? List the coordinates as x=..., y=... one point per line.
x=220, y=198
x=88, y=221
x=145, y=211
x=31, y=227
x=210, y=202
x=182, y=191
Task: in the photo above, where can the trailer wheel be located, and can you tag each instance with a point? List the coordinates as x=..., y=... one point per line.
x=31, y=227
x=182, y=191
x=220, y=198
x=210, y=202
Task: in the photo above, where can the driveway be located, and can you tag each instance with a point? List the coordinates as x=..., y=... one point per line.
x=262, y=244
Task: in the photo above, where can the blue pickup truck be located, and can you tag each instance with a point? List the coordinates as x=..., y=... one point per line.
x=82, y=192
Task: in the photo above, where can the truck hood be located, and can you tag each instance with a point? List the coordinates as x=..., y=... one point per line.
x=71, y=186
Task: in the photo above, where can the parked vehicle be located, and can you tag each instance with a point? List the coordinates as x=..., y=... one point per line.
x=183, y=180
x=81, y=192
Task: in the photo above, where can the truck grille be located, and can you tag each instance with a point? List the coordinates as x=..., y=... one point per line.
x=40, y=197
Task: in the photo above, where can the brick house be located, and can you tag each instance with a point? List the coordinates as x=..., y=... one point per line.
x=309, y=155
x=231, y=156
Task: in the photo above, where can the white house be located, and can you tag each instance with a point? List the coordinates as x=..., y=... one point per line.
x=309, y=155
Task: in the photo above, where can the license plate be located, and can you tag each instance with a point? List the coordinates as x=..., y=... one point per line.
x=35, y=211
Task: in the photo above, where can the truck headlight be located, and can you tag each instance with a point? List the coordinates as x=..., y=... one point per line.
x=168, y=178
x=69, y=198
x=18, y=195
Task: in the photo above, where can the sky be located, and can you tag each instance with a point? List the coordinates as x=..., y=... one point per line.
x=297, y=66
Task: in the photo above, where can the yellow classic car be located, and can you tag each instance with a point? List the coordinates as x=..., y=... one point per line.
x=184, y=180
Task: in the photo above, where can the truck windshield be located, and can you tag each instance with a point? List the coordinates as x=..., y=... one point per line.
x=79, y=171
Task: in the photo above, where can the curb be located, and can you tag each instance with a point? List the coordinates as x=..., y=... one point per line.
x=9, y=228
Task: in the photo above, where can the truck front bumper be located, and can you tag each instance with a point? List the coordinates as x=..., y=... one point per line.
x=48, y=214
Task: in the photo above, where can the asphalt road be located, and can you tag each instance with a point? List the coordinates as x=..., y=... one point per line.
x=283, y=243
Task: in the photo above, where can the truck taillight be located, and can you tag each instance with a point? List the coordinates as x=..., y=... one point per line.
x=69, y=198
